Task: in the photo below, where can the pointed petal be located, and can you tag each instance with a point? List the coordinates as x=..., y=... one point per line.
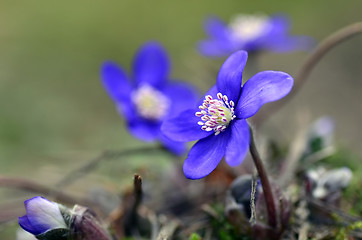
x=230, y=75
x=151, y=65
x=25, y=224
x=205, y=155
x=144, y=129
x=239, y=142
x=43, y=214
x=183, y=96
x=264, y=87
x=184, y=127
x=115, y=82
x=175, y=147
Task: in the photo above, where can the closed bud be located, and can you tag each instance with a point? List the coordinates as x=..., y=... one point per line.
x=86, y=226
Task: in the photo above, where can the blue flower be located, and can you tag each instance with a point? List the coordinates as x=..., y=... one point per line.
x=151, y=98
x=41, y=216
x=220, y=119
x=250, y=33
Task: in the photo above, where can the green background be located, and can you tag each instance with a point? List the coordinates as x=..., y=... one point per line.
x=54, y=113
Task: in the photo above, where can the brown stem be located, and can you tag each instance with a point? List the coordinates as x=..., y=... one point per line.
x=322, y=49
x=131, y=219
x=268, y=194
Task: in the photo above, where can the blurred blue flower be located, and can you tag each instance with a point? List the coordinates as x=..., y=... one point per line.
x=41, y=216
x=251, y=33
x=150, y=98
x=220, y=120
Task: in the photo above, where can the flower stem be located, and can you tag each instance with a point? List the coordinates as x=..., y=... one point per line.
x=304, y=71
x=268, y=194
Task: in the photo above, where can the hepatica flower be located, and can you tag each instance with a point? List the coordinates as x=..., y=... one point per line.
x=150, y=98
x=251, y=33
x=219, y=122
x=41, y=216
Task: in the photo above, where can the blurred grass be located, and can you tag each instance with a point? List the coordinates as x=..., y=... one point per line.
x=52, y=104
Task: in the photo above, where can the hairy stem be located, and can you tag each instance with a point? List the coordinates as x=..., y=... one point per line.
x=268, y=194
x=304, y=71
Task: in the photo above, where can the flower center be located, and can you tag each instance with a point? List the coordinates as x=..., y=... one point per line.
x=216, y=114
x=248, y=27
x=150, y=103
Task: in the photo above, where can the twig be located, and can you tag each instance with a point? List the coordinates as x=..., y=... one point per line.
x=131, y=219
x=31, y=186
x=304, y=71
x=268, y=194
x=168, y=230
x=330, y=209
x=138, y=193
x=93, y=163
x=292, y=159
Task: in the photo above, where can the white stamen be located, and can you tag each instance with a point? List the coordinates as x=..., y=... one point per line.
x=249, y=27
x=150, y=103
x=216, y=114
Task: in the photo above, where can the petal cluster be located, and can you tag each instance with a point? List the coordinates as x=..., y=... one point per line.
x=41, y=216
x=219, y=122
x=147, y=97
x=251, y=33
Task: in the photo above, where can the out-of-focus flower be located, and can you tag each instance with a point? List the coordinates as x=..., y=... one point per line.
x=320, y=135
x=220, y=120
x=326, y=185
x=150, y=98
x=41, y=216
x=251, y=33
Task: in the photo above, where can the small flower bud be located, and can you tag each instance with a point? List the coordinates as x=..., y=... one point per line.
x=86, y=226
x=47, y=220
x=42, y=216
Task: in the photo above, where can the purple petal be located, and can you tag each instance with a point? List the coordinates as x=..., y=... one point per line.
x=25, y=224
x=264, y=87
x=212, y=92
x=128, y=111
x=280, y=25
x=205, y=155
x=151, y=65
x=144, y=129
x=184, y=127
x=175, y=147
x=239, y=142
x=183, y=96
x=230, y=75
x=291, y=43
x=43, y=214
x=115, y=82
x=212, y=48
x=279, y=40
x=216, y=29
